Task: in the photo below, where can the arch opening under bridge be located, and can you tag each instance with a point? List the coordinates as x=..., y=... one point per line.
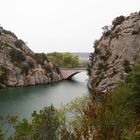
x=68, y=73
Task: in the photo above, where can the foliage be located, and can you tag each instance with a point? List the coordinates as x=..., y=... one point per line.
x=85, y=63
x=18, y=43
x=118, y=21
x=126, y=65
x=25, y=69
x=111, y=116
x=3, y=74
x=41, y=58
x=127, y=69
x=96, y=43
x=91, y=58
x=56, y=57
x=44, y=125
x=31, y=64
x=95, y=46
x=16, y=55
x=64, y=59
x=126, y=62
x=70, y=61
x=48, y=68
x=89, y=70
x=106, y=117
x=106, y=31
x=136, y=31
x=1, y=135
x=134, y=81
x=100, y=66
x=102, y=116
x=56, y=68
x=6, y=122
x=9, y=32
x=2, y=45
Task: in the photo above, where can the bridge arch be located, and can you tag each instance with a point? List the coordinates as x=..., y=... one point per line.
x=68, y=73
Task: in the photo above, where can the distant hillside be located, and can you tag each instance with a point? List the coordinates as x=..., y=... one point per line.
x=84, y=56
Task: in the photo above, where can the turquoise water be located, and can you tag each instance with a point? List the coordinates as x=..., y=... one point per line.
x=24, y=100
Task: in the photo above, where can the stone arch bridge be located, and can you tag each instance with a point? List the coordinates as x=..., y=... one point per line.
x=68, y=73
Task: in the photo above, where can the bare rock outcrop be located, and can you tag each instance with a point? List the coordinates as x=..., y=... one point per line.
x=20, y=66
x=115, y=52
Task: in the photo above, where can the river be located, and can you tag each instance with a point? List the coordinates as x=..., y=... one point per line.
x=24, y=100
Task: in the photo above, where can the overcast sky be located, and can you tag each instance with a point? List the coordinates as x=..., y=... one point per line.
x=61, y=25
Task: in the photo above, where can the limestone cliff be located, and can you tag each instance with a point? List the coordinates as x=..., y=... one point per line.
x=115, y=52
x=19, y=66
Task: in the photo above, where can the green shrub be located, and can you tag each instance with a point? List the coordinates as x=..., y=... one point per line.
x=136, y=32
x=4, y=74
x=118, y=21
x=56, y=68
x=97, y=51
x=2, y=45
x=19, y=43
x=31, y=64
x=16, y=56
x=91, y=59
x=41, y=58
x=85, y=63
x=1, y=135
x=25, y=69
x=126, y=62
x=135, y=82
x=106, y=31
x=100, y=66
x=126, y=65
x=89, y=69
x=10, y=33
x=104, y=57
x=127, y=69
x=96, y=43
x=48, y=68
x=66, y=59
x=44, y=125
x=113, y=115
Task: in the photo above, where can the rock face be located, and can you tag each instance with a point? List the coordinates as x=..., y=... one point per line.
x=115, y=52
x=19, y=66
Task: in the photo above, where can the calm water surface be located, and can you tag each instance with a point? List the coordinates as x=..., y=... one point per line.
x=22, y=101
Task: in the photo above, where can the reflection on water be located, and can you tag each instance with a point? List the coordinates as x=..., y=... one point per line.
x=22, y=101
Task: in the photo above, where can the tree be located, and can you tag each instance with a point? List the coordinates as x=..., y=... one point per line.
x=56, y=57
x=44, y=125
x=1, y=135
x=135, y=101
x=64, y=59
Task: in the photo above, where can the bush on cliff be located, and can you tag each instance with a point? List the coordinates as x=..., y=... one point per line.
x=16, y=56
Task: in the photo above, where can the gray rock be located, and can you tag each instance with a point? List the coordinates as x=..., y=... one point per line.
x=123, y=43
x=19, y=65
